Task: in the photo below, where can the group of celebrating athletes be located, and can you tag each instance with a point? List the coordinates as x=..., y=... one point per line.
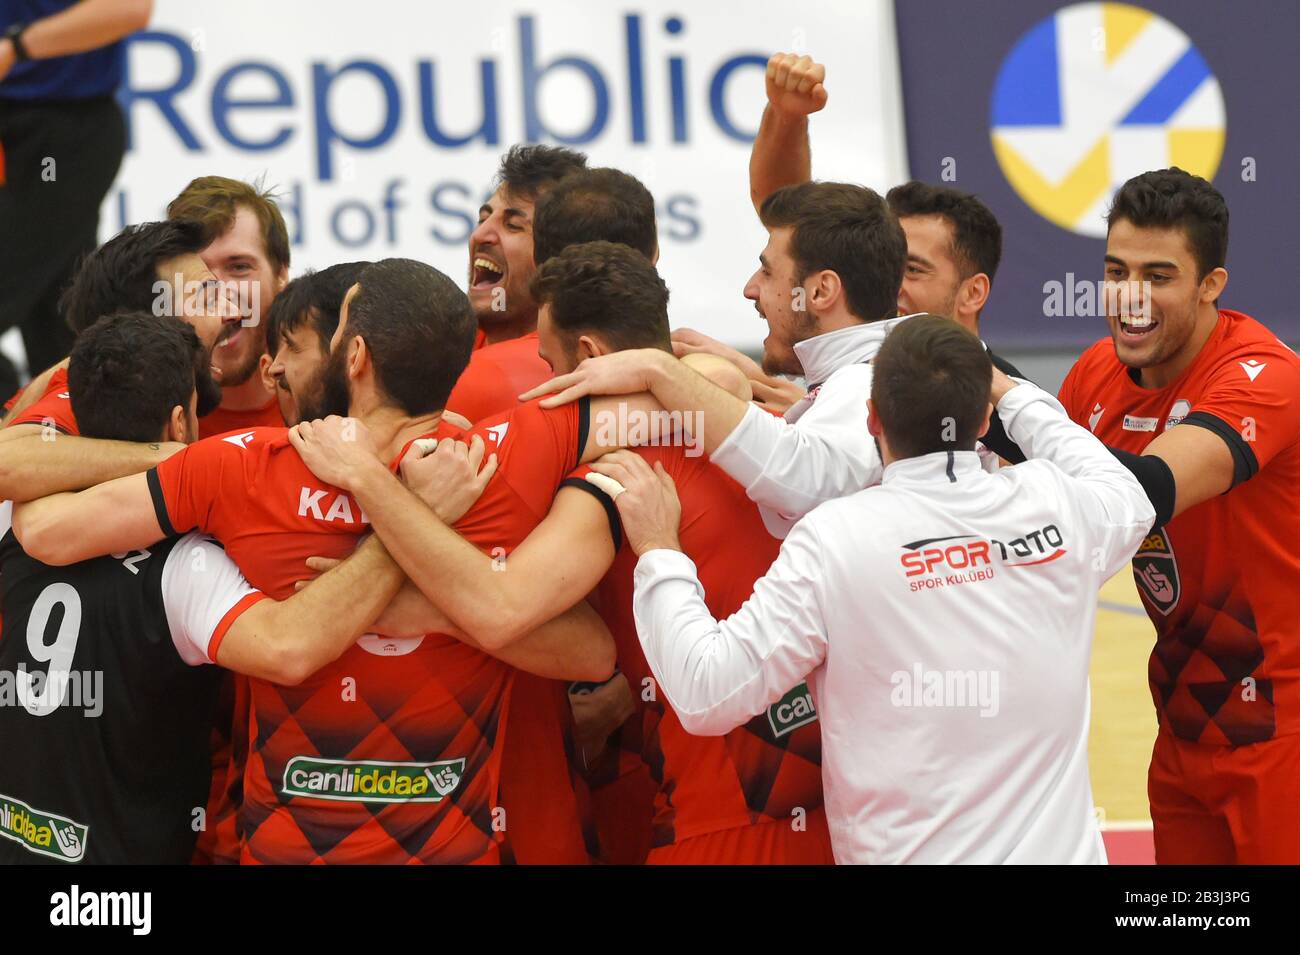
x=519, y=574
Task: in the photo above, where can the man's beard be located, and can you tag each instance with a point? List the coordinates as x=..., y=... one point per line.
x=241, y=373
x=519, y=309
x=328, y=390
x=803, y=327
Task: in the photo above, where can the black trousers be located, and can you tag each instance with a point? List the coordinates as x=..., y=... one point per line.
x=60, y=158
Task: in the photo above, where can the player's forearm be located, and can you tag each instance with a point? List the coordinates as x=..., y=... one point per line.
x=85, y=26
x=411, y=613
x=318, y=623
x=447, y=569
x=576, y=645
x=709, y=412
x=37, y=462
x=109, y=518
x=781, y=155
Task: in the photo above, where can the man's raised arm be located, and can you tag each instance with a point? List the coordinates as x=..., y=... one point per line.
x=781, y=155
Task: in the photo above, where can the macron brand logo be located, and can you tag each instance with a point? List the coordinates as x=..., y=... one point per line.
x=1095, y=417
x=312, y=503
x=498, y=432
x=1252, y=368
x=240, y=440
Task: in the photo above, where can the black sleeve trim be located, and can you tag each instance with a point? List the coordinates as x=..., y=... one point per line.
x=1156, y=478
x=584, y=425
x=611, y=512
x=1244, y=463
x=999, y=442
x=159, y=502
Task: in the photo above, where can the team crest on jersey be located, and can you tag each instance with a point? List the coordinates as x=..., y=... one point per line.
x=1155, y=568
x=44, y=833
x=792, y=711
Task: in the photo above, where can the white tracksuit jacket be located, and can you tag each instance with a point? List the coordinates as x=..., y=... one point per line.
x=944, y=622
x=828, y=452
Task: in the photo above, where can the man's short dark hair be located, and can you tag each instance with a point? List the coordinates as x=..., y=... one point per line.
x=596, y=205
x=314, y=299
x=128, y=371
x=1175, y=199
x=607, y=288
x=848, y=230
x=120, y=274
x=930, y=386
x=976, y=233
x=528, y=171
x=419, y=328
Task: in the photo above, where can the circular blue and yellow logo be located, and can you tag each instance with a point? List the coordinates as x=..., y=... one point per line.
x=1094, y=95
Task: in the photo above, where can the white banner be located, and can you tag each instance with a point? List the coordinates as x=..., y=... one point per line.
x=381, y=123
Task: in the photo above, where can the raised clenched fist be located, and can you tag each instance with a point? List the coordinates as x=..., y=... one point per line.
x=795, y=84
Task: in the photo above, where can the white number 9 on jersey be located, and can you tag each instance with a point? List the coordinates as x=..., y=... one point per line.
x=58, y=654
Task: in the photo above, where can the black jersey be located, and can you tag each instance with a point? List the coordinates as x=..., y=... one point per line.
x=104, y=723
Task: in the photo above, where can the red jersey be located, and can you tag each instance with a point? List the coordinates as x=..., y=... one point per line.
x=762, y=771
x=53, y=407
x=496, y=376
x=390, y=753
x=1219, y=580
x=222, y=421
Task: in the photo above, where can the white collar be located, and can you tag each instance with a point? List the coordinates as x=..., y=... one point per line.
x=822, y=355
x=942, y=467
